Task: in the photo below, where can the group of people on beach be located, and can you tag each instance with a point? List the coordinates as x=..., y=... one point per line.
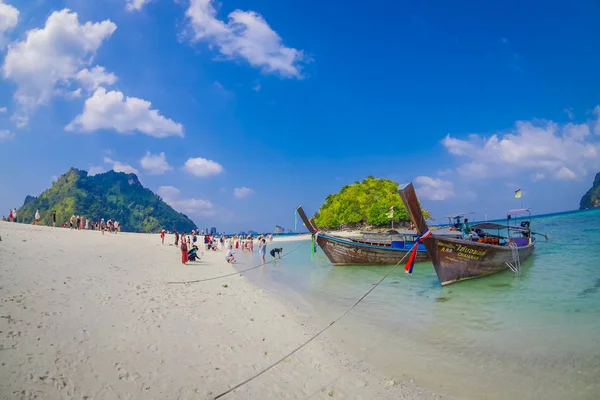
x=12, y=215
x=189, y=249
x=80, y=223
x=74, y=222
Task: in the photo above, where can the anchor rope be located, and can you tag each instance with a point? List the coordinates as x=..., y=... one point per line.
x=313, y=337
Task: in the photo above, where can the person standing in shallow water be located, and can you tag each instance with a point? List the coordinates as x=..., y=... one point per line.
x=262, y=249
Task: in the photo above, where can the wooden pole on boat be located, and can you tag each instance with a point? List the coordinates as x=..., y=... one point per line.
x=305, y=220
x=411, y=202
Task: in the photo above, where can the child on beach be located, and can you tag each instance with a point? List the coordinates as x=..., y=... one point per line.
x=193, y=254
x=262, y=250
x=229, y=256
x=162, y=236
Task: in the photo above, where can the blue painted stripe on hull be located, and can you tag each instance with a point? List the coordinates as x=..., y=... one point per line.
x=351, y=243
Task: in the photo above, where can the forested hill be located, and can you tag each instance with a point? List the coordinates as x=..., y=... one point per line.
x=592, y=198
x=113, y=195
x=363, y=203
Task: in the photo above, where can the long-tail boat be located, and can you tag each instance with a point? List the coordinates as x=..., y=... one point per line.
x=478, y=253
x=368, y=250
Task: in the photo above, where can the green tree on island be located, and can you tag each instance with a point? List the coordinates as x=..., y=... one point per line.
x=363, y=203
x=112, y=194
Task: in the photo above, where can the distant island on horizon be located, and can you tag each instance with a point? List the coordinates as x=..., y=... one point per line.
x=120, y=196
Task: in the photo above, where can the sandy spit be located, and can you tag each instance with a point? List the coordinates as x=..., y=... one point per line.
x=91, y=316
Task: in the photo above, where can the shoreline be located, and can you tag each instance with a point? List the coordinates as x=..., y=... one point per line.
x=86, y=314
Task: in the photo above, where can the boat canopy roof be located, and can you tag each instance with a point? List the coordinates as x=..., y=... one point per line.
x=518, y=211
x=493, y=225
x=459, y=214
x=446, y=232
x=393, y=232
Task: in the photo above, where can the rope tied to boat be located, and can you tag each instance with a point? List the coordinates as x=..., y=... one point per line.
x=515, y=266
x=413, y=252
x=313, y=337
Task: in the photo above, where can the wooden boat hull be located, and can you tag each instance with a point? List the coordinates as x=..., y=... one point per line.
x=457, y=260
x=347, y=252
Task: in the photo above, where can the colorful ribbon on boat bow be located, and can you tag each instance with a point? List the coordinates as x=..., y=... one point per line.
x=413, y=252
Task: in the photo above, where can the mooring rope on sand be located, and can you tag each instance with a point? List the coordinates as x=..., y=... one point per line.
x=313, y=337
x=237, y=272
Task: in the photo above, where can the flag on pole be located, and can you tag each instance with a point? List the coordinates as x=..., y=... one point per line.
x=518, y=194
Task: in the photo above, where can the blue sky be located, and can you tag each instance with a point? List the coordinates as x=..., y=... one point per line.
x=236, y=112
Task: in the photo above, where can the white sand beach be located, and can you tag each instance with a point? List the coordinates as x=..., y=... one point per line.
x=91, y=316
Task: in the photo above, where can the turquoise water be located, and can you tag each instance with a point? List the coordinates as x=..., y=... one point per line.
x=532, y=336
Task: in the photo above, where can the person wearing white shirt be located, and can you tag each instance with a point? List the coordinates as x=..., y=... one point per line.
x=229, y=256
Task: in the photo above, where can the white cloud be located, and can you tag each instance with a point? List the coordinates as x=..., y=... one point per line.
x=120, y=167
x=256, y=87
x=95, y=170
x=112, y=110
x=155, y=164
x=9, y=17
x=136, y=5
x=565, y=173
x=246, y=35
x=434, y=188
x=456, y=146
x=5, y=135
x=543, y=148
x=538, y=176
x=242, y=192
x=75, y=94
x=97, y=76
x=51, y=57
x=576, y=131
x=202, y=167
x=2, y=109
x=171, y=196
